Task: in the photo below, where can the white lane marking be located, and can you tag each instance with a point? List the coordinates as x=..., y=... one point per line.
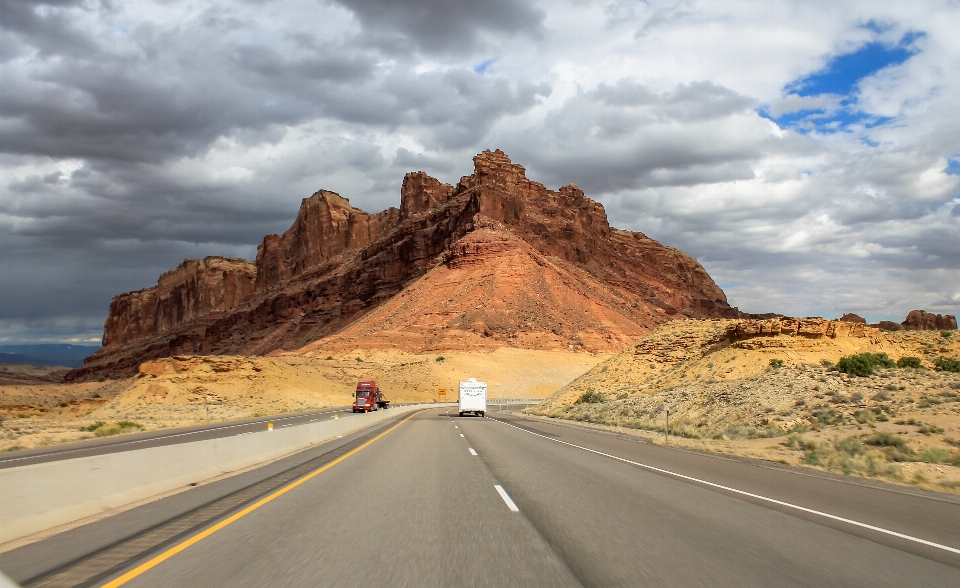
x=472, y=451
x=461, y=434
x=750, y=494
x=456, y=427
x=506, y=498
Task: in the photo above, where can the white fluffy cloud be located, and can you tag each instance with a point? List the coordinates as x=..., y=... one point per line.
x=135, y=133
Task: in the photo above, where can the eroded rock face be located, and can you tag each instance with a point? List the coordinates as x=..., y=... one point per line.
x=921, y=320
x=853, y=318
x=337, y=262
x=198, y=287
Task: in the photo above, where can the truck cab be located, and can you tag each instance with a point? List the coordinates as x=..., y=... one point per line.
x=368, y=397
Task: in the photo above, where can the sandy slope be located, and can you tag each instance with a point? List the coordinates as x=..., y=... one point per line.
x=723, y=394
x=185, y=390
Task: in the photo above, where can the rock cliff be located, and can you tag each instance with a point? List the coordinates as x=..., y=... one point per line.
x=920, y=320
x=597, y=288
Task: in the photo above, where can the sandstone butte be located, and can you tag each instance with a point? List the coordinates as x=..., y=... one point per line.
x=495, y=261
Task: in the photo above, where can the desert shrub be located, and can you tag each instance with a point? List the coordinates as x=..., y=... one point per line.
x=440, y=358
x=358, y=360
x=864, y=416
x=864, y=363
x=776, y=363
x=947, y=364
x=329, y=357
x=934, y=455
x=946, y=334
x=590, y=397
x=101, y=379
x=826, y=363
x=95, y=395
x=828, y=417
x=118, y=428
x=929, y=430
x=856, y=397
x=793, y=441
x=623, y=396
x=850, y=445
x=909, y=362
x=886, y=439
x=93, y=427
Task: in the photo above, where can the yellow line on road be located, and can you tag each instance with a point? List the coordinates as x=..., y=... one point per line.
x=201, y=536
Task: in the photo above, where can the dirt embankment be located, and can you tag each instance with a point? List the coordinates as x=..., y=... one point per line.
x=724, y=393
x=186, y=390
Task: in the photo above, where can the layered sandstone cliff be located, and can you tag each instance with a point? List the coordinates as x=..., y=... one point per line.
x=337, y=263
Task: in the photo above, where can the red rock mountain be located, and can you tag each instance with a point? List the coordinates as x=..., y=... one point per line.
x=498, y=260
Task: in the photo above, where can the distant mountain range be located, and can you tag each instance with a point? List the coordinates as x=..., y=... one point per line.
x=51, y=354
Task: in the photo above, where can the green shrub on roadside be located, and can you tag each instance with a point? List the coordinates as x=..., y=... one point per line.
x=591, y=397
x=909, y=362
x=93, y=427
x=947, y=364
x=946, y=334
x=935, y=455
x=776, y=363
x=117, y=428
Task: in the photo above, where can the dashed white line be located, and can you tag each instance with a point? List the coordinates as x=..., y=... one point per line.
x=506, y=498
x=740, y=492
x=472, y=451
x=461, y=434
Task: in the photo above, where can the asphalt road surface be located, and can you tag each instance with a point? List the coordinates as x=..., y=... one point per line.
x=437, y=500
x=163, y=437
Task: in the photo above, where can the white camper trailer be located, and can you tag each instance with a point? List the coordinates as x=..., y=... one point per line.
x=473, y=397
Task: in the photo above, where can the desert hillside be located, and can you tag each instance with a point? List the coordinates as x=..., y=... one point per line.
x=186, y=390
x=771, y=389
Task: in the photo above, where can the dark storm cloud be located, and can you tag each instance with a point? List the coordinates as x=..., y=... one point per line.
x=447, y=26
x=627, y=135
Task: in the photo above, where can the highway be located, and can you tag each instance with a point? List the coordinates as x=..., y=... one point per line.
x=431, y=499
x=163, y=437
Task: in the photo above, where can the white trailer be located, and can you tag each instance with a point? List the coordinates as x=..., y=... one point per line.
x=473, y=397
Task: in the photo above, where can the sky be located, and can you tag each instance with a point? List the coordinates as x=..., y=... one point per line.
x=806, y=153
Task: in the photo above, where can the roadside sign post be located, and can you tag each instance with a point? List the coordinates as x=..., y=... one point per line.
x=666, y=427
x=441, y=394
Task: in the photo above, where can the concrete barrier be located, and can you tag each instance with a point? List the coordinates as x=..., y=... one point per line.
x=41, y=496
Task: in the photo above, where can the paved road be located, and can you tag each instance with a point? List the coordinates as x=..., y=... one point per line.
x=165, y=437
x=544, y=504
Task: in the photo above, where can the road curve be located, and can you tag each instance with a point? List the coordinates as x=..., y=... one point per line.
x=440, y=500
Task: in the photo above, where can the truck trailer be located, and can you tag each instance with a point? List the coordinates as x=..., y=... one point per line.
x=368, y=397
x=473, y=397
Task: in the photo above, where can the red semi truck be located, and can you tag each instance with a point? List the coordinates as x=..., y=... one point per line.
x=368, y=397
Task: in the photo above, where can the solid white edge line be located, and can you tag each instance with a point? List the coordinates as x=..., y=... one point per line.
x=506, y=498
x=750, y=494
x=472, y=451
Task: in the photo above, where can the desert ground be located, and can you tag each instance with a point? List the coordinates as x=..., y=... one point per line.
x=183, y=391
x=900, y=424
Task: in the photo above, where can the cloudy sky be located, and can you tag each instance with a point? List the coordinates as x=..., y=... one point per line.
x=807, y=153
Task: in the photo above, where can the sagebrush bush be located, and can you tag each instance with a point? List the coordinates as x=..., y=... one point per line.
x=947, y=364
x=591, y=397
x=863, y=364
x=909, y=362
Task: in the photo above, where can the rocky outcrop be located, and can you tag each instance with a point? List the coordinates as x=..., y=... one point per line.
x=853, y=318
x=326, y=226
x=197, y=288
x=338, y=263
x=920, y=320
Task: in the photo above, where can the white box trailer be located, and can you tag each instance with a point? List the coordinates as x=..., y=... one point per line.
x=473, y=397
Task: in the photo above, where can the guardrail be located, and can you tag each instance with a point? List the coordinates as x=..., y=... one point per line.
x=515, y=400
x=41, y=496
